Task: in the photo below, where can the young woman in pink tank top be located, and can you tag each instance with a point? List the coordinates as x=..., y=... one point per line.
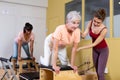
x=22, y=40
x=97, y=31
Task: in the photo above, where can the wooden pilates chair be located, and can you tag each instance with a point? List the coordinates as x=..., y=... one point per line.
x=28, y=74
x=66, y=73
x=30, y=64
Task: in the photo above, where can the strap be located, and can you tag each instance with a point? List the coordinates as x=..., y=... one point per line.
x=102, y=29
x=91, y=24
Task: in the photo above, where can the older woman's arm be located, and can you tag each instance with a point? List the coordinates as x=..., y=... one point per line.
x=73, y=55
x=55, y=56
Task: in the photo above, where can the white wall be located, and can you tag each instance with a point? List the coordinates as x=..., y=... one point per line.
x=41, y=3
x=12, y=19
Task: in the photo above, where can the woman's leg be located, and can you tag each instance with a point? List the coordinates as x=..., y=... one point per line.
x=62, y=55
x=95, y=58
x=15, y=56
x=102, y=61
x=46, y=60
x=15, y=51
x=26, y=49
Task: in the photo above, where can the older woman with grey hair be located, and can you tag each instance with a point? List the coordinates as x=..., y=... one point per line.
x=56, y=42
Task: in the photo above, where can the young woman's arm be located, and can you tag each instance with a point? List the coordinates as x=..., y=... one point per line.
x=19, y=49
x=84, y=34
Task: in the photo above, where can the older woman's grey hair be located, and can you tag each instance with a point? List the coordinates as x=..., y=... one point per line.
x=73, y=16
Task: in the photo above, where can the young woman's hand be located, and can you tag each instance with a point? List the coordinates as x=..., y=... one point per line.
x=78, y=49
x=33, y=58
x=19, y=58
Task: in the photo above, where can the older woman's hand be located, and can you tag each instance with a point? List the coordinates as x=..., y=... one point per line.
x=75, y=68
x=57, y=69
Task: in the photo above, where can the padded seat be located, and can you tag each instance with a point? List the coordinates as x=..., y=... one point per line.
x=29, y=76
x=62, y=67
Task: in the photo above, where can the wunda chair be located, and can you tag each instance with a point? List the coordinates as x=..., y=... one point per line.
x=66, y=73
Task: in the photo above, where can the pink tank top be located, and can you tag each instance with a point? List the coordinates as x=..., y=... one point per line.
x=20, y=36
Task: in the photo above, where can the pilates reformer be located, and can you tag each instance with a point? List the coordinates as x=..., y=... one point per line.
x=6, y=76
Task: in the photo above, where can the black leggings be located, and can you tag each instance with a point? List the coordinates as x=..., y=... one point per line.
x=100, y=57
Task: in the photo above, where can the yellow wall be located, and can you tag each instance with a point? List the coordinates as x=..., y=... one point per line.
x=55, y=17
x=114, y=57
x=55, y=14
